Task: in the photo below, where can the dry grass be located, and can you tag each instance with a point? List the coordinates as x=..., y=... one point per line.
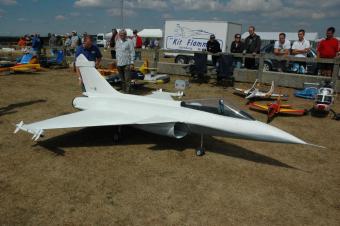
x=74, y=177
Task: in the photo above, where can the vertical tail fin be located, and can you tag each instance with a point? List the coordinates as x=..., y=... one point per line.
x=252, y=87
x=271, y=91
x=92, y=79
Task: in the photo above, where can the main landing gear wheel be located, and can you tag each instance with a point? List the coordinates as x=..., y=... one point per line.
x=200, y=151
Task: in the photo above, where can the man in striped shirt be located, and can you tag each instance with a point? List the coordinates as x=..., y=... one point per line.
x=125, y=54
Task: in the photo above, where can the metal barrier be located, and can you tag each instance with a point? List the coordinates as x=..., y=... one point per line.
x=244, y=75
x=261, y=75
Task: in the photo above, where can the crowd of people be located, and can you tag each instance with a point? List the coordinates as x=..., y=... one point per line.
x=327, y=48
x=125, y=50
x=35, y=43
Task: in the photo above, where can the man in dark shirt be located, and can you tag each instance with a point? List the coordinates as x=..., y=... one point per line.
x=213, y=46
x=113, y=43
x=252, y=46
x=237, y=46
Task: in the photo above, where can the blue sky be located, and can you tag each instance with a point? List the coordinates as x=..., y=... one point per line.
x=93, y=16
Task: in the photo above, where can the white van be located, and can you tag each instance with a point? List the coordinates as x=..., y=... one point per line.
x=101, y=41
x=193, y=35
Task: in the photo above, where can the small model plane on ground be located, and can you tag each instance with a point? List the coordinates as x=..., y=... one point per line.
x=27, y=63
x=324, y=100
x=255, y=93
x=157, y=113
x=139, y=75
x=150, y=74
x=307, y=93
x=273, y=109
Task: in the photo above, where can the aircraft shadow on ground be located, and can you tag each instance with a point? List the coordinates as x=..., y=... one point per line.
x=103, y=136
x=11, y=108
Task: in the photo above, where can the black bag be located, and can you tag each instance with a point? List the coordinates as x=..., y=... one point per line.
x=199, y=68
x=225, y=69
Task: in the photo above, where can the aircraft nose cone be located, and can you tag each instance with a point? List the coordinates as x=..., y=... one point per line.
x=277, y=135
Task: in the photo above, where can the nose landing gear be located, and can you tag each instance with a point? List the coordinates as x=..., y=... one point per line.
x=200, y=151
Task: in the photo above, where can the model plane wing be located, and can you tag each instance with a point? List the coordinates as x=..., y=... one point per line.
x=239, y=90
x=258, y=106
x=159, y=94
x=89, y=118
x=292, y=111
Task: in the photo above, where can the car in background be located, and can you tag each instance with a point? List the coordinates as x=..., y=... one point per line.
x=271, y=64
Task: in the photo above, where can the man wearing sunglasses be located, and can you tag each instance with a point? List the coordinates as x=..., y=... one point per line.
x=237, y=46
x=213, y=46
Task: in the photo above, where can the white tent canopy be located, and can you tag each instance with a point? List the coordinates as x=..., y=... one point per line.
x=128, y=31
x=292, y=36
x=151, y=33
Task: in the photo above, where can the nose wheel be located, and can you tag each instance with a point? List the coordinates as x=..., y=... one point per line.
x=200, y=151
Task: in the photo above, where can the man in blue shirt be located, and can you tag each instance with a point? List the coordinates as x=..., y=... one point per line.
x=89, y=50
x=36, y=45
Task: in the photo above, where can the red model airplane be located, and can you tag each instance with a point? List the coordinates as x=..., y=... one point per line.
x=275, y=108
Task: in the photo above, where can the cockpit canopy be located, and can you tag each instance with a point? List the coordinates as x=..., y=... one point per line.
x=324, y=99
x=218, y=107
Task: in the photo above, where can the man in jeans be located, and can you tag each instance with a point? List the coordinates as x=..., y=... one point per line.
x=252, y=46
x=237, y=46
x=138, y=43
x=125, y=54
x=300, y=48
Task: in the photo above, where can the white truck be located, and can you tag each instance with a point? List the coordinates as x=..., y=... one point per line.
x=193, y=35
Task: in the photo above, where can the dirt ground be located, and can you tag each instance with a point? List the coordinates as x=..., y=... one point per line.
x=79, y=176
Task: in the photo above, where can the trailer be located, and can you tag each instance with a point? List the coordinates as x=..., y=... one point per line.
x=193, y=35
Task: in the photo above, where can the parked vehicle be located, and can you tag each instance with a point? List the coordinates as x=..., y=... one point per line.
x=271, y=64
x=101, y=41
x=190, y=35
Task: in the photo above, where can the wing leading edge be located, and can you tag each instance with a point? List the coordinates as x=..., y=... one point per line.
x=88, y=118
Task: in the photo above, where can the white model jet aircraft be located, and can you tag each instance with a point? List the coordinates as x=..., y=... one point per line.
x=255, y=93
x=157, y=113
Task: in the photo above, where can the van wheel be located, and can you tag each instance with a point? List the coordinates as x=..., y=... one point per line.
x=191, y=60
x=181, y=59
x=267, y=66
